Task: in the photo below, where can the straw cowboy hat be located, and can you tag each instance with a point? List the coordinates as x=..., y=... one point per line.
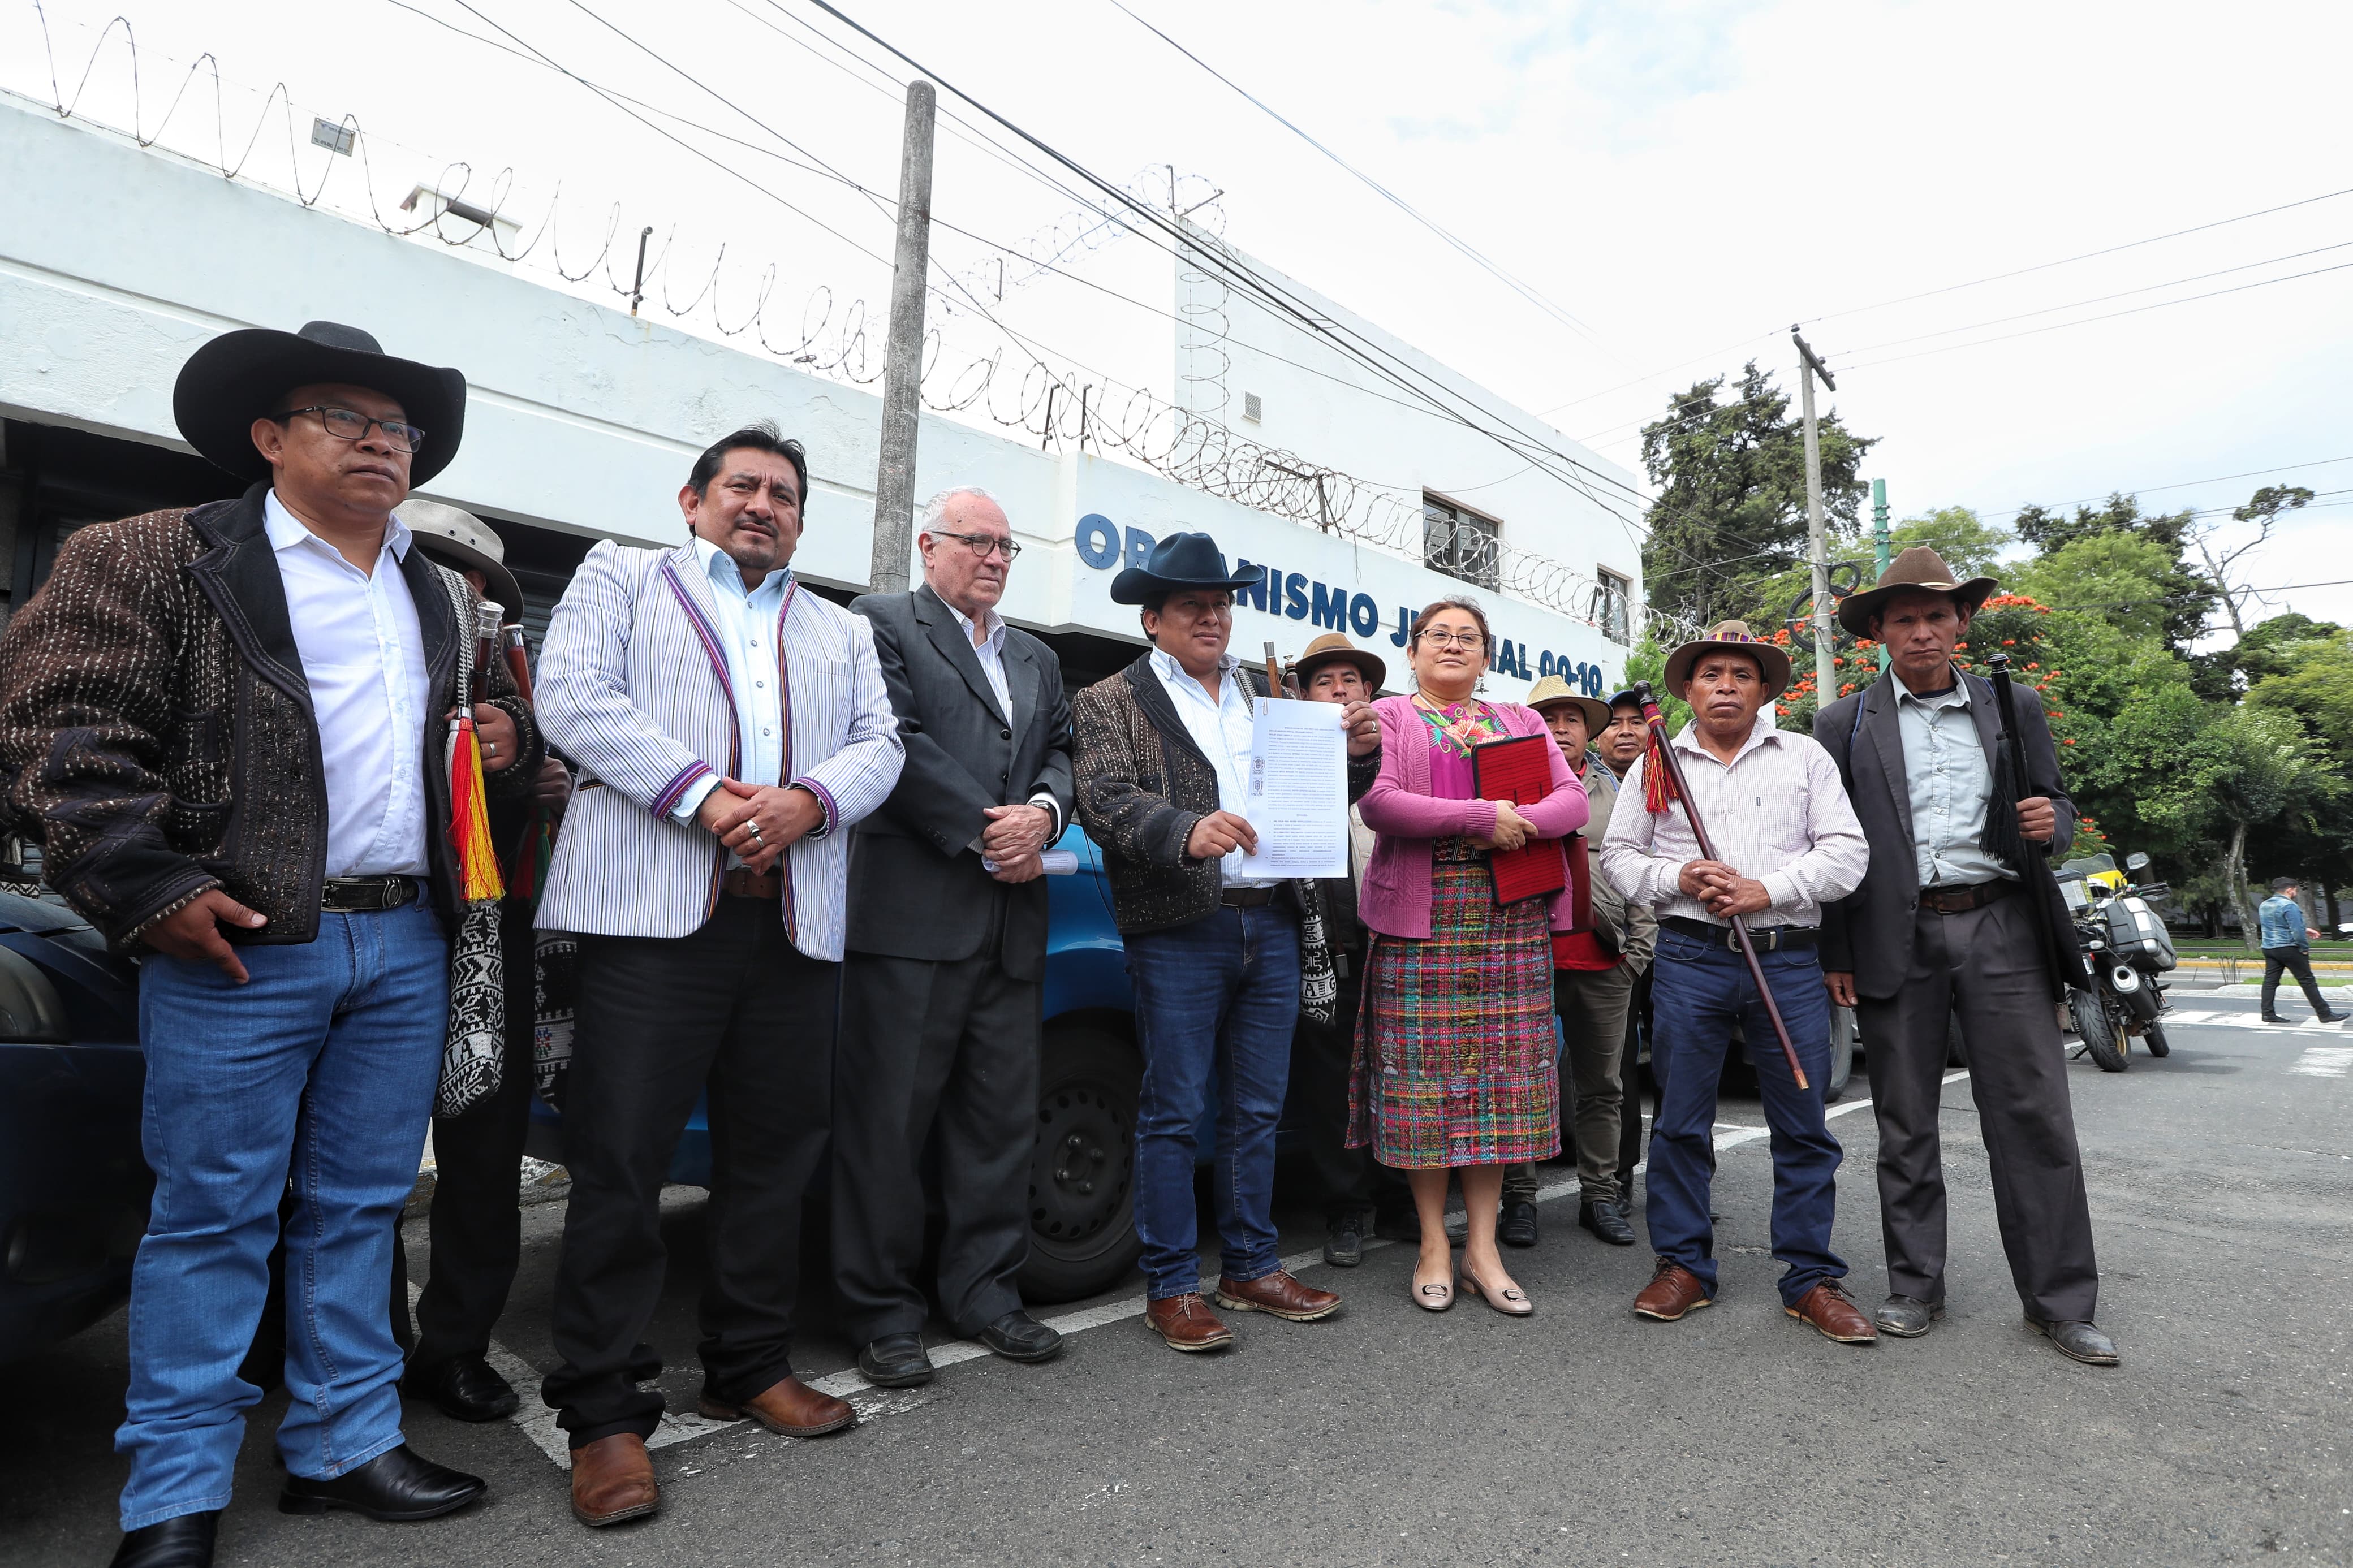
x=1331, y=648
x=1731, y=636
x=242, y=376
x=1181, y=561
x=1918, y=569
x=464, y=543
x=1552, y=690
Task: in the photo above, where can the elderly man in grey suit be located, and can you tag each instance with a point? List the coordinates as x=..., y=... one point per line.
x=729, y=727
x=1941, y=927
x=942, y=994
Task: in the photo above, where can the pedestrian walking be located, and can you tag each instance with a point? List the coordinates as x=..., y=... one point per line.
x=1788, y=843
x=2287, y=947
x=229, y=721
x=1454, y=1064
x=1594, y=965
x=942, y=993
x=1940, y=930
x=729, y=728
x=1164, y=754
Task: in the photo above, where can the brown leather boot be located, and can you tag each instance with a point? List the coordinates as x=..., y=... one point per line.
x=1673, y=1292
x=1186, y=1322
x=1830, y=1310
x=613, y=1480
x=1279, y=1294
x=788, y=1406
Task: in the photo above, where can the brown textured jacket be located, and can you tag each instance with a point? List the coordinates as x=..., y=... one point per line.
x=1142, y=785
x=156, y=732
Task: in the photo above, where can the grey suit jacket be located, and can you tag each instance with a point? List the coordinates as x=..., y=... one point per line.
x=1869, y=932
x=916, y=887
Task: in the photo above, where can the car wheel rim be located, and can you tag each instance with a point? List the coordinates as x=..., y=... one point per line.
x=1081, y=1172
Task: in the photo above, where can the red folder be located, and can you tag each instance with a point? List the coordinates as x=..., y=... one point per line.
x=1520, y=770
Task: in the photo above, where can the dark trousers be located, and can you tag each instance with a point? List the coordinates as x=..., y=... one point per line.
x=2295, y=962
x=477, y=1223
x=1629, y=1078
x=942, y=1055
x=1698, y=988
x=1351, y=1179
x=1985, y=967
x=1591, y=1006
x=734, y=1009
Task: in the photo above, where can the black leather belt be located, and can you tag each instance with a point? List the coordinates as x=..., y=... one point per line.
x=1960, y=900
x=358, y=895
x=1768, y=938
x=1246, y=898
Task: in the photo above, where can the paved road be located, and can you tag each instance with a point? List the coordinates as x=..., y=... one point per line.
x=2222, y=1187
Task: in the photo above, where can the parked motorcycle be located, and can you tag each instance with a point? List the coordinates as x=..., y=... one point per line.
x=2126, y=948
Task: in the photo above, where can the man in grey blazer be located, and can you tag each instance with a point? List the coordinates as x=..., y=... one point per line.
x=942, y=998
x=1941, y=927
x=729, y=727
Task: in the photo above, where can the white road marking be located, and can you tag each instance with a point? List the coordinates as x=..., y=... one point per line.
x=2324, y=1061
x=538, y=1423
x=2201, y=1018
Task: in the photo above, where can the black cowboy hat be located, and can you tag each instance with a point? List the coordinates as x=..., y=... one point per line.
x=242, y=376
x=1918, y=569
x=1179, y=560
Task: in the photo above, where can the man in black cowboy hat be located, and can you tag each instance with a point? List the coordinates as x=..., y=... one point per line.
x=229, y=722
x=1163, y=761
x=1941, y=929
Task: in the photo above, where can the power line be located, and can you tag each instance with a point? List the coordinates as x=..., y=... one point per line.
x=2186, y=484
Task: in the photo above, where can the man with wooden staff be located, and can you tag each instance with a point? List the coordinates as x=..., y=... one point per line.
x=1942, y=927
x=1788, y=844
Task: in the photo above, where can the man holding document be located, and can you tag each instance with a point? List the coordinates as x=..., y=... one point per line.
x=1207, y=802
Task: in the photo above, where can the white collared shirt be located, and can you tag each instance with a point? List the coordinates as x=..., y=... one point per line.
x=1221, y=727
x=363, y=655
x=747, y=635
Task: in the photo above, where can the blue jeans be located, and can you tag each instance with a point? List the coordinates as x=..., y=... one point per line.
x=327, y=1056
x=1697, y=989
x=1220, y=994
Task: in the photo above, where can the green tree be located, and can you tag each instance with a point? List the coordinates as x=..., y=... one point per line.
x=2184, y=596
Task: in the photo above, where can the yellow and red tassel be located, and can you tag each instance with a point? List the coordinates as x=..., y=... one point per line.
x=1657, y=781
x=469, y=818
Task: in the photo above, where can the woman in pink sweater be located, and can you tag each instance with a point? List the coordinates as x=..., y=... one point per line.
x=1453, y=1067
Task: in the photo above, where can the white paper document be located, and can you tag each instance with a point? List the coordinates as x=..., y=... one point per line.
x=1298, y=798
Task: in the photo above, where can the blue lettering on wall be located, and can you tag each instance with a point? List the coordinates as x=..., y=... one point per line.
x=1098, y=541
x=1364, y=616
x=1139, y=545
x=1331, y=607
x=1252, y=593
x=1294, y=596
x=1404, y=634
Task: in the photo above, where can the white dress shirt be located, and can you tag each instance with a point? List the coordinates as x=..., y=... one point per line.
x=989, y=648
x=1221, y=727
x=1945, y=769
x=747, y=635
x=1777, y=814
x=364, y=657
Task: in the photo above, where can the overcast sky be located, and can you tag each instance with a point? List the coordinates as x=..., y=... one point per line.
x=1682, y=181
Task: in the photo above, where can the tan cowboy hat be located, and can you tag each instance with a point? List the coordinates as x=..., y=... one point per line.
x=1334, y=647
x=462, y=541
x=1552, y=690
x=1917, y=570
x=1733, y=637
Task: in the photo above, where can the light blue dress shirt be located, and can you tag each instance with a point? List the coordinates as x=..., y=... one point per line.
x=1945, y=766
x=747, y=635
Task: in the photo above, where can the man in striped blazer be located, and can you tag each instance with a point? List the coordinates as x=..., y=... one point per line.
x=729, y=729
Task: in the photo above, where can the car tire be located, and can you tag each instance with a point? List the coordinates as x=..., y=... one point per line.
x=1083, y=1238
x=1841, y=1052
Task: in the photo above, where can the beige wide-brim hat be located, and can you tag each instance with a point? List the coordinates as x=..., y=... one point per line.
x=1332, y=647
x=1552, y=692
x=1918, y=569
x=1732, y=637
x=462, y=541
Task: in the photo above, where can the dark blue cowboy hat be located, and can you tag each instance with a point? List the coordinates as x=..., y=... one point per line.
x=1179, y=560
x=242, y=376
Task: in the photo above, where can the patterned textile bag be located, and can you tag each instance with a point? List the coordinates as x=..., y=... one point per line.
x=1319, y=981
x=474, y=1053
x=554, y=959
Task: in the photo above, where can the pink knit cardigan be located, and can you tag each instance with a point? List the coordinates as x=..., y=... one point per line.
x=1405, y=819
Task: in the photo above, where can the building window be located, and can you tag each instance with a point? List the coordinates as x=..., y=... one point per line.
x=1612, y=602
x=1460, y=543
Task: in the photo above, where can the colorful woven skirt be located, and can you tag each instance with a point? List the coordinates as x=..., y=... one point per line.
x=1454, y=1062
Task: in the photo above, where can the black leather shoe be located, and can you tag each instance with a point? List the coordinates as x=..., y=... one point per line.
x=1907, y=1317
x=2332, y=1017
x=185, y=1542
x=895, y=1361
x=1343, y=1240
x=398, y=1484
x=1398, y=1224
x=2274, y=1018
x=1018, y=1336
x=1607, y=1220
x=2079, y=1341
x=467, y=1388
x=1518, y=1226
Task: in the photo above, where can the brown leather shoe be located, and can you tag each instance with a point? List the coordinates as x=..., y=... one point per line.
x=1673, y=1292
x=1186, y=1322
x=1277, y=1293
x=613, y=1480
x=788, y=1406
x=1830, y=1309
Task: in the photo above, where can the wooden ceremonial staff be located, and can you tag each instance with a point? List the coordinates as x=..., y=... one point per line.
x=2035, y=873
x=1679, y=790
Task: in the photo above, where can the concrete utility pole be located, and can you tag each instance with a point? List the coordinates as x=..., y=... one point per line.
x=903, y=364
x=1809, y=365
x=1879, y=544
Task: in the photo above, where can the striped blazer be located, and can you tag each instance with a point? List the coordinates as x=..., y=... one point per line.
x=634, y=687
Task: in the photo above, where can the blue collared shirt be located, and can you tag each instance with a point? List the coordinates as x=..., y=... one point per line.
x=1945, y=766
x=747, y=635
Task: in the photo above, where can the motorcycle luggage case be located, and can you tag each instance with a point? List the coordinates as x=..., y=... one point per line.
x=2135, y=933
